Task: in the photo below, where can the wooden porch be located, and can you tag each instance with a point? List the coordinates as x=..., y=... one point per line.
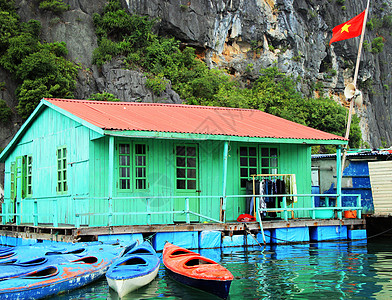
x=67, y=233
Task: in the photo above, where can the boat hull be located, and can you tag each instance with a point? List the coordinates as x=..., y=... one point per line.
x=215, y=287
x=197, y=271
x=126, y=286
x=138, y=267
x=53, y=279
x=40, y=292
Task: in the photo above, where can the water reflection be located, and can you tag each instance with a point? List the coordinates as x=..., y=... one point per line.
x=352, y=270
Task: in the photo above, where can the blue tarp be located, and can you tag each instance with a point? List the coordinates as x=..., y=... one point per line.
x=233, y=241
x=358, y=234
x=325, y=233
x=185, y=239
x=267, y=235
x=291, y=234
x=210, y=239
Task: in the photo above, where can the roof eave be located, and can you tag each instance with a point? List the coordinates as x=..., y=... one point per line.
x=202, y=137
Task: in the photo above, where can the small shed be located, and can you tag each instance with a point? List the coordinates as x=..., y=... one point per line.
x=366, y=172
x=121, y=163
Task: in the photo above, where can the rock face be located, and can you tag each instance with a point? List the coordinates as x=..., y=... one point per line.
x=242, y=36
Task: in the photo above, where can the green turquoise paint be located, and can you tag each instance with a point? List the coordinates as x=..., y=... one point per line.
x=224, y=183
x=339, y=179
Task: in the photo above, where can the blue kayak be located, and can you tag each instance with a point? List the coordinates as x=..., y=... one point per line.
x=135, y=269
x=51, y=279
x=23, y=253
x=43, y=256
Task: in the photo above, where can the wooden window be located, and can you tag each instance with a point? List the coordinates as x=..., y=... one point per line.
x=140, y=167
x=248, y=164
x=132, y=166
x=186, y=167
x=269, y=160
x=254, y=160
x=62, y=185
x=29, y=175
x=124, y=164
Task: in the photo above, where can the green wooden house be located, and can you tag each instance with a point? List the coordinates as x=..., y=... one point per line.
x=122, y=163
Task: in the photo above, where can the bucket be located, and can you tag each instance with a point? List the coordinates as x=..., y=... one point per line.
x=350, y=214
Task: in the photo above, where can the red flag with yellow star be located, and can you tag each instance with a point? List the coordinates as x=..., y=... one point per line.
x=348, y=30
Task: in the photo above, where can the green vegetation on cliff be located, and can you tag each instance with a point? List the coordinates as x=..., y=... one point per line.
x=162, y=59
x=40, y=69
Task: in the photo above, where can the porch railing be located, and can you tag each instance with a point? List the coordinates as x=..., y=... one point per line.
x=37, y=216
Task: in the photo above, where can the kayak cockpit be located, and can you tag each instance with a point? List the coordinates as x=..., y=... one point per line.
x=197, y=262
x=46, y=272
x=133, y=261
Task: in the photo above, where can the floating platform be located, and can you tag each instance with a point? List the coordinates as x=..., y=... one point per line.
x=194, y=235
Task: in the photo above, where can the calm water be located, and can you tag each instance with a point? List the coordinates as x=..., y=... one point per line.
x=317, y=271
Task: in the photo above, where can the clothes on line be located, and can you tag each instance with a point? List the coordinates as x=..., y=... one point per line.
x=277, y=186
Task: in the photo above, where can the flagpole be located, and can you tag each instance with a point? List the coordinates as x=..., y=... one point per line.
x=355, y=83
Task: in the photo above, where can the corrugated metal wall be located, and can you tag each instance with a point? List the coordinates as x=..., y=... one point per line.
x=381, y=181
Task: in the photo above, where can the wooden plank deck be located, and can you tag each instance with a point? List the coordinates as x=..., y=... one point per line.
x=66, y=233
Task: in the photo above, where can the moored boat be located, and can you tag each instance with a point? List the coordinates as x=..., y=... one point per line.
x=197, y=271
x=51, y=279
x=135, y=269
x=23, y=253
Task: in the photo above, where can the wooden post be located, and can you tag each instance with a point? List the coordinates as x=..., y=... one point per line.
x=355, y=82
x=18, y=212
x=110, y=180
x=35, y=212
x=148, y=211
x=259, y=215
x=313, y=211
x=285, y=215
x=339, y=180
x=188, y=220
x=222, y=215
x=4, y=210
x=359, y=211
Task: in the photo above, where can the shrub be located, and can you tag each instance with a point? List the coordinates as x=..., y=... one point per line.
x=5, y=112
x=377, y=45
x=103, y=97
x=56, y=6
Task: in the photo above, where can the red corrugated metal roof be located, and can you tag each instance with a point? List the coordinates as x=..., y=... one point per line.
x=188, y=119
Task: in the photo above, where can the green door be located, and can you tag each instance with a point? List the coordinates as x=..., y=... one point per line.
x=187, y=180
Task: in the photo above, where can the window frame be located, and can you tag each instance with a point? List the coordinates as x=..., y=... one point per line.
x=28, y=176
x=136, y=180
x=62, y=170
x=249, y=168
x=186, y=178
x=142, y=167
x=260, y=158
x=269, y=157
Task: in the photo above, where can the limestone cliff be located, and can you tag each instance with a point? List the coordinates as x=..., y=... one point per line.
x=242, y=36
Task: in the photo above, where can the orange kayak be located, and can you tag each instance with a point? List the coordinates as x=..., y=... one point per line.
x=197, y=271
